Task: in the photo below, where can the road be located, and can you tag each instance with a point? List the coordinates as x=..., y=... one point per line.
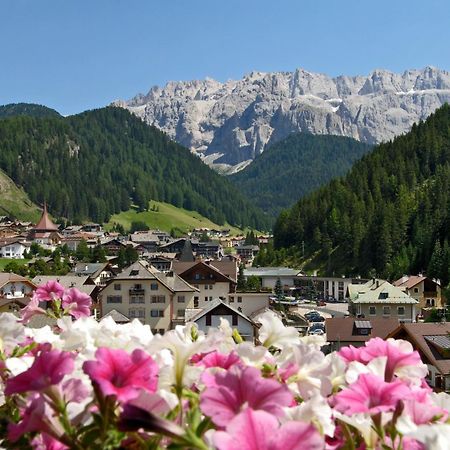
x=335, y=309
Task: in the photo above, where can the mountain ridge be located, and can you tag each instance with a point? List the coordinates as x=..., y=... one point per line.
x=232, y=122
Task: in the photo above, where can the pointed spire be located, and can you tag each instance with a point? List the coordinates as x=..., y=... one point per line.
x=45, y=224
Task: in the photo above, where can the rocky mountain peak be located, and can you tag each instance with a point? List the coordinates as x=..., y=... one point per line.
x=229, y=123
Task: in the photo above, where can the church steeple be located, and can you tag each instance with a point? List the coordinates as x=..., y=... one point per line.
x=45, y=224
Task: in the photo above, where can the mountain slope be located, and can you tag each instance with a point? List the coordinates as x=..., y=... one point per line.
x=89, y=165
x=26, y=109
x=234, y=121
x=14, y=202
x=390, y=215
x=295, y=166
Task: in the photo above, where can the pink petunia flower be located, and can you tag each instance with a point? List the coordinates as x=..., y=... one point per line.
x=216, y=359
x=370, y=394
x=32, y=309
x=259, y=430
x=49, y=291
x=77, y=303
x=48, y=368
x=350, y=353
x=397, y=355
x=44, y=441
x=32, y=419
x=118, y=373
x=227, y=393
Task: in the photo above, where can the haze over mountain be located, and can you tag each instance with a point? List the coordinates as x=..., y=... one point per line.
x=230, y=123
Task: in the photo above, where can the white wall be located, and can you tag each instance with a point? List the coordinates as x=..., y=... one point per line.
x=244, y=327
x=12, y=251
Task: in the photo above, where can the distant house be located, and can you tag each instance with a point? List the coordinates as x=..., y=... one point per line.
x=432, y=341
x=269, y=275
x=247, y=252
x=45, y=232
x=210, y=281
x=344, y=331
x=425, y=290
x=15, y=291
x=379, y=298
x=140, y=291
x=249, y=303
x=73, y=240
x=211, y=249
x=324, y=287
x=218, y=309
x=146, y=239
x=13, y=248
x=99, y=273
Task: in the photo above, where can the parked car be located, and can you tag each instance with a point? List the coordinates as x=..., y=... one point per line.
x=318, y=331
x=317, y=319
x=311, y=314
x=317, y=326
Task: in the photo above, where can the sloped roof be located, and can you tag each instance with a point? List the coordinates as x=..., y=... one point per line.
x=340, y=329
x=117, y=316
x=417, y=334
x=409, y=281
x=184, y=271
x=67, y=281
x=213, y=305
x=379, y=291
x=141, y=270
x=44, y=222
x=6, y=278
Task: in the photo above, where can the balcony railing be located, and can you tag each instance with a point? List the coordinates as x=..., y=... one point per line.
x=137, y=291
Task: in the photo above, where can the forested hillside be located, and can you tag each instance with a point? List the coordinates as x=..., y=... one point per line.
x=26, y=109
x=296, y=166
x=390, y=215
x=94, y=164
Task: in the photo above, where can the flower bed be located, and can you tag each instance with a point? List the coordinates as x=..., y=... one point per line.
x=99, y=385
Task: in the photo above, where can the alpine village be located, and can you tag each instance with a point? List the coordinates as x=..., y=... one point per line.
x=285, y=211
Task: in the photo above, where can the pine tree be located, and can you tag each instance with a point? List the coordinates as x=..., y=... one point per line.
x=241, y=282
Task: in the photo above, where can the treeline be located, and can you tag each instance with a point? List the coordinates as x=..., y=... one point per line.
x=296, y=166
x=389, y=216
x=98, y=163
x=26, y=109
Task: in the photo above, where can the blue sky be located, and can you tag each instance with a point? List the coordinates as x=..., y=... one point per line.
x=74, y=55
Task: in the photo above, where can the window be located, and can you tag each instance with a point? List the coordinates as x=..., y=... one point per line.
x=416, y=290
x=430, y=302
x=114, y=299
x=234, y=320
x=138, y=313
x=231, y=299
x=137, y=299
x=386, y=310
x=158, y=299
x=181, y=299
x=206, y=299
x=206, y=287
x=239, y=299
x=117, y=287
x=134, y=273
x=197, y=276
x=211, y=287
x=372, y=310
x=154, y=286
x=401, y=310
x=137, y=287
x=195, y=302
x=210, y=299
x=157, y=313
x=180, y=313
x=208, y=320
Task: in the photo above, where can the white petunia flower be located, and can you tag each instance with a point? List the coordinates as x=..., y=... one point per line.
x=273, y=333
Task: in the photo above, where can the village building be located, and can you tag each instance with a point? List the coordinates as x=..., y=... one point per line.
x=15, y=291
x=379, y=298
x=269, y=276
x=247, y=253
x=45, y=232
x=155, y=298
x=345, y=331
x=98, y=273
x=13, y=248
x=218, y=310
x=211, y=282
x=425, y=290
x=432, y=341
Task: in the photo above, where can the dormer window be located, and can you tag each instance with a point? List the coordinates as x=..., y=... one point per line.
x=383, y=295
x=362, y=327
